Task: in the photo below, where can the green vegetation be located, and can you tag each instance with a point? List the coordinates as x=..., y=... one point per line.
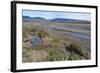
x=42, y=33
x=25, y=33
x=54, y=55
x=26, y=54
x=77, y=49
x=74, y=56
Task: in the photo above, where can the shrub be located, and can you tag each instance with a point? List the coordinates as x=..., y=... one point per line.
x=25, y=32
x=42, y=33
x=74, y=47
x=78, y=49
x=74, y=56
x=54, y=56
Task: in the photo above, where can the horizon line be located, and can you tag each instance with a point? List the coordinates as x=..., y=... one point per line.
x=54, y=18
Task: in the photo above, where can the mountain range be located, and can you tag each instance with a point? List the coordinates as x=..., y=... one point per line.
x=60, y=20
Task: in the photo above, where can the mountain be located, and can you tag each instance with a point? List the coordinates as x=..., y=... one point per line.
x=38, y=19
x=59, y=20
x=27, y=18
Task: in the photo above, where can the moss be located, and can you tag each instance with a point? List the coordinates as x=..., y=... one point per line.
x=33, y=30
x=78, y=50
x=54, y=56
x=26, y=52
x=74, y=47
x=26, y=55
x=74, y=56
x=42, y=33
x=25, y=33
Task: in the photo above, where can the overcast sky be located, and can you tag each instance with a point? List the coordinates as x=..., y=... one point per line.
x=57, y=14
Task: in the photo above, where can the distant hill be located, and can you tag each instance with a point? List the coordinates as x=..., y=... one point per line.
x=38, y=19
x=60, y=20
x=27, y=18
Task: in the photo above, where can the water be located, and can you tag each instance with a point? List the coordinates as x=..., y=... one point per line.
x=74, y=34
x=36, y=41
x=78, y=35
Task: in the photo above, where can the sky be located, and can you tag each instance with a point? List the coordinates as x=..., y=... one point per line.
x=57, y=14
